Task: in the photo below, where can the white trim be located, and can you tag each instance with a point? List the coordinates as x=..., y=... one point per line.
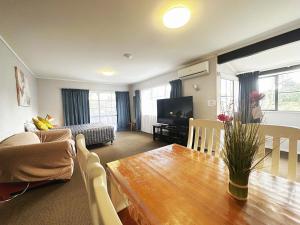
x=78, y=80
x=16, y=55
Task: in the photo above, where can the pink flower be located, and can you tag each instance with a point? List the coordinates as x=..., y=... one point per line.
x=255, y=96
x=224, y=118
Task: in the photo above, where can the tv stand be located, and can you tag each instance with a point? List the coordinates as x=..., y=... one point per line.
x=170, y=134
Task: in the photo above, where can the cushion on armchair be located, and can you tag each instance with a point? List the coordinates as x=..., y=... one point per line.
x=20, y=139
x=39, y=124
x=29, y=126
x=46, y=122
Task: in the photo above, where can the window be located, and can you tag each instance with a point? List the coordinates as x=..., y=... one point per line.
x=289, y=92
x=103, y=108
x=282, y=91
x=267, y=86
x=227, y=95
x=149, y=105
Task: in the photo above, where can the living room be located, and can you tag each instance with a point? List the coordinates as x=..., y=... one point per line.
x=100, y=82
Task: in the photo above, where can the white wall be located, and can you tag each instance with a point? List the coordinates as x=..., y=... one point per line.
x=209, y=86
x=12, y=116
x=208, y=89
x=291, y=119
x=50, y=98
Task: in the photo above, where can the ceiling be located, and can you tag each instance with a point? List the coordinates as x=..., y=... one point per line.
x=72, y=39
x=283, y=56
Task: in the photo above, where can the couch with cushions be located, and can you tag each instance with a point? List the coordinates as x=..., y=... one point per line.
x=40, y=156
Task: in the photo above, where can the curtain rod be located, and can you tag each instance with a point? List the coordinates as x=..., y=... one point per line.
x=279, y=70
x=274, y=71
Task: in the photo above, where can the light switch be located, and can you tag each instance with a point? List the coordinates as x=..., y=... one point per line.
x=211, y=103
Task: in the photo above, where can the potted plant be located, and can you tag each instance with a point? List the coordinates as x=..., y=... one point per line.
x=241, y=146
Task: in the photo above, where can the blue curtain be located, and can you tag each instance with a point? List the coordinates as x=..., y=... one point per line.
x=176, y=88
x=248, y=83
x=123, y=109
x=76, y=108
x=138, y=113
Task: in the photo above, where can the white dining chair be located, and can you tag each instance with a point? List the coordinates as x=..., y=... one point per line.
x=210, y=133
x=278, y=133
x=84, y=156
x=102, y=209
x=94, y=176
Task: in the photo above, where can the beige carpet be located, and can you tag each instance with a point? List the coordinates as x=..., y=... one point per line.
x=66, y=203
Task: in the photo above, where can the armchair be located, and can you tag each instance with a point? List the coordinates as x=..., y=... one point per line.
x=40, y=156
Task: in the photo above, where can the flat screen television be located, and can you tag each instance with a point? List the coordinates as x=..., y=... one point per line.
x=175, y=111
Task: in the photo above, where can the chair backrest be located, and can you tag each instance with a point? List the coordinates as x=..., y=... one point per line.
x=210, y=131
x=94, y=176
x=84, y=156
x=102, y=209
x=277, y=133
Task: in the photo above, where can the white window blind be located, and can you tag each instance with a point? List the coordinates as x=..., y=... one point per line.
x=103, y=107
x=149, y=99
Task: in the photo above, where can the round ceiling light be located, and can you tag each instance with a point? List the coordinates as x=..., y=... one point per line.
x=176, y=17
x=106, y=71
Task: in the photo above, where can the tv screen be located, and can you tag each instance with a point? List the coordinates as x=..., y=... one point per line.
x=175, y=111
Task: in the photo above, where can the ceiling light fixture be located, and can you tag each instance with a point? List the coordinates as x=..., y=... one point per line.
x=106, y=72
x=176, y=17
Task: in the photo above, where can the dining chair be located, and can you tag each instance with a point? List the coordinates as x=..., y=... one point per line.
x=102, y=209
x=85, y=159
x=94, y=175
x=84, y=156
x=209, y=131
x=277, y=133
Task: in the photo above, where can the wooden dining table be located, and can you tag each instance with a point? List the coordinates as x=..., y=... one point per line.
x=175, y=185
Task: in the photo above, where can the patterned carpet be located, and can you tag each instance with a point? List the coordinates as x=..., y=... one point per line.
x=66, y=203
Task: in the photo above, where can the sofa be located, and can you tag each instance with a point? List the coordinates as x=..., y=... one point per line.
x=37, y=156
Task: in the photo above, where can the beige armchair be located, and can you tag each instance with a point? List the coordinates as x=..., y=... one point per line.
x=40, y=156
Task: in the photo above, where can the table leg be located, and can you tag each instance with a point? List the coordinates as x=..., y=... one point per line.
x=153, y=133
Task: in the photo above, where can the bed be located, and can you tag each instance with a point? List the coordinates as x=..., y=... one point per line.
x=94, y=133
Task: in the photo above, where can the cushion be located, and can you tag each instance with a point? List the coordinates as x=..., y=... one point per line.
x=39, y=124
x=46, y=122
x=29, y=126
x=26, y=138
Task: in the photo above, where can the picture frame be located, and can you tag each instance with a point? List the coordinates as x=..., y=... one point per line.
x=22, y=86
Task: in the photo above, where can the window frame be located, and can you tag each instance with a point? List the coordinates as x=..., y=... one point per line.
x=98, y=103
x=227, y=96
x=276, y=93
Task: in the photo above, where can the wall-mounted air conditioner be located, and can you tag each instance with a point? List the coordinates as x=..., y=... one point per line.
x=196, y=70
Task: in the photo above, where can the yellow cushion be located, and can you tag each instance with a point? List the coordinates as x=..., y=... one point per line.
x=39, y=124
x=46, y=122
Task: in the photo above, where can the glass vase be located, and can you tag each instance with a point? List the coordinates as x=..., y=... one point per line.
x=238, y=186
